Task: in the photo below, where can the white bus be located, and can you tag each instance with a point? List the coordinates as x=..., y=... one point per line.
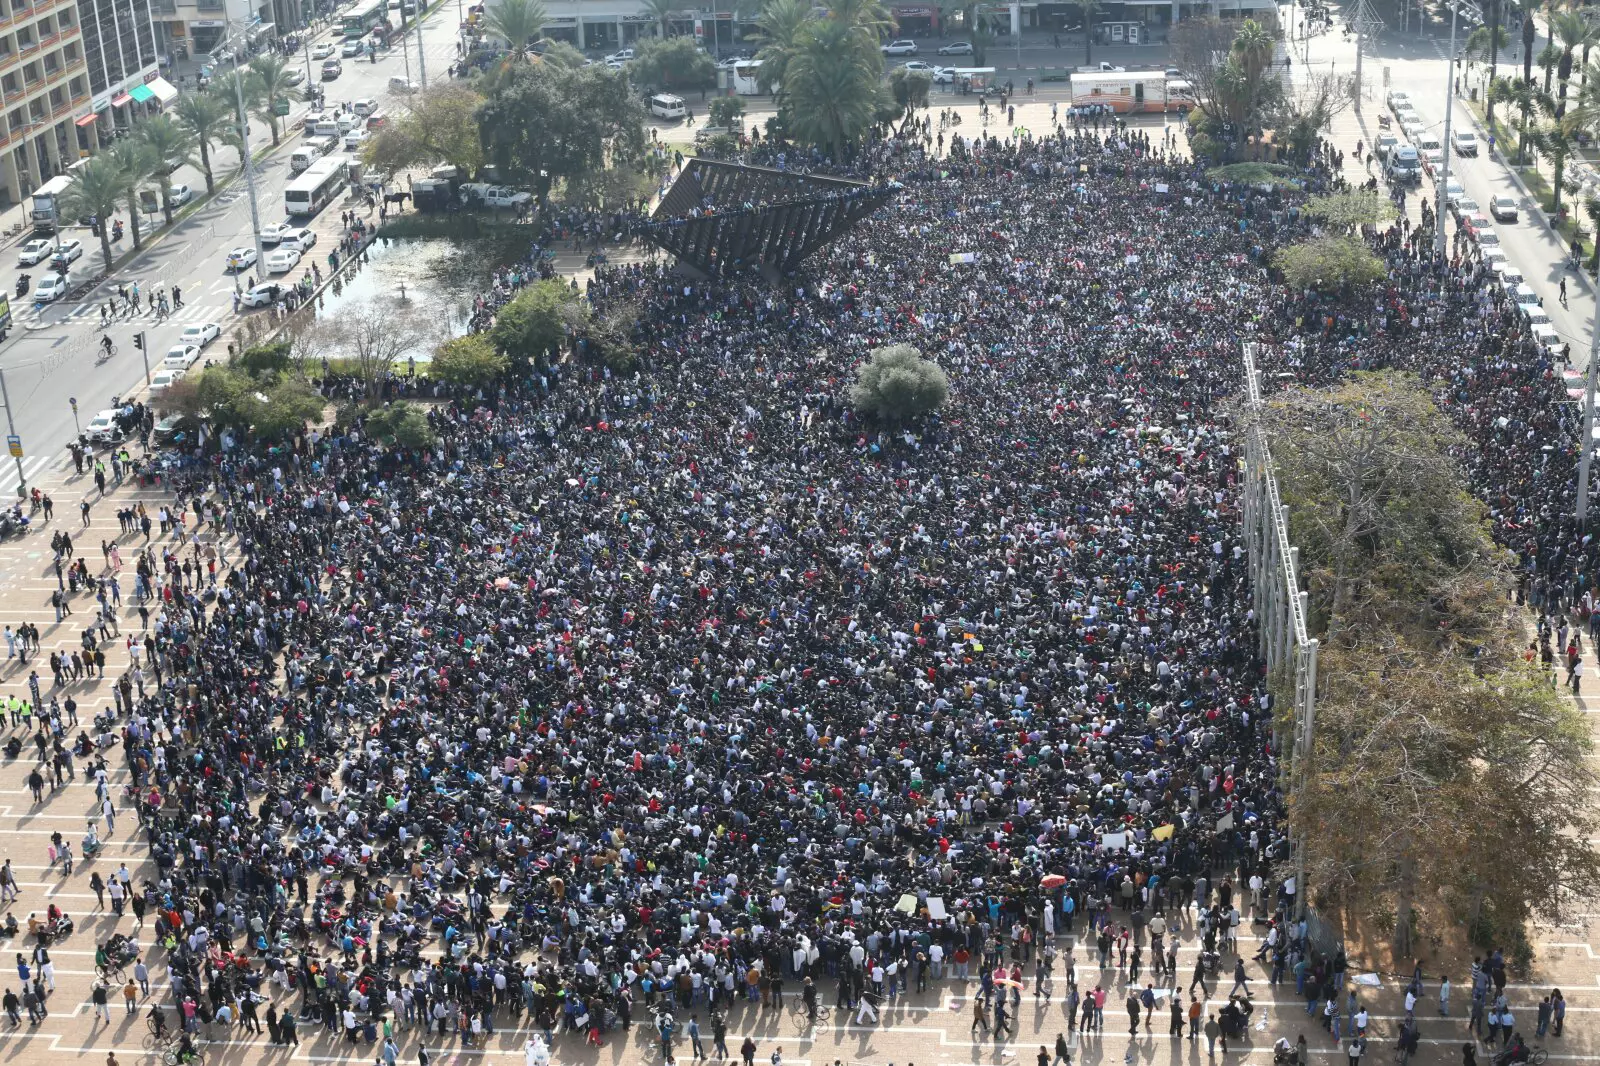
x=316, y=188
x=747, y=78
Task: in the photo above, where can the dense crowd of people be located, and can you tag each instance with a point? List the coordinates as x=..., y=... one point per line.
x=690, y=687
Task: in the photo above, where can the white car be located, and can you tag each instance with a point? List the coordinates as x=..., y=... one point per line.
x=263, y=295
x=322, y=51
x=241, y=259
x=162, y=380
x=294, y=76
x=34, y=251
x=273, y=232
x=900, y=48
x=1465, y=142
x=300, y=240
x=620, y=57
x=103, y=428
x=181, y=357
x=201, y=335
x=69, y=252
x=51, y=287
x=944, y=75
x=917, y=64
x=354, y=140
x=180, y=195
x=282, y=260
x=956, y=48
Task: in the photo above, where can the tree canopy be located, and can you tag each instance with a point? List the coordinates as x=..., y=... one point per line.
x=545, y=123
x=896, y=383
x=676, y=63
x=1330, y=262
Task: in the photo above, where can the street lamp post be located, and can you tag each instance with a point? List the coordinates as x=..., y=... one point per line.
x=1449, y=110
x=249, y=164
x=422, y=66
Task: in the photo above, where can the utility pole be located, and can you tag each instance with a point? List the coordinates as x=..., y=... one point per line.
x=249, y=164
x=11, y=428
x=1366, y=22
x=422, y=67
x=1449, y=109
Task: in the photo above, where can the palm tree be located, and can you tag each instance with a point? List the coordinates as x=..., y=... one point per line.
x=662, y=10
x=869, y=17
x=206, y=118
x=1549, y=59
x=1522, y=96
x=134, y=167
x=1087, y=10
x=1485, y=43
x=96, y=190
x=171, y=146
x=273, y=84
x=1253, y=46
x=518, y=22
x=1530, y=35
x=1572, y=31
x=833, y=85
x=782, y=22
x=1556, y=139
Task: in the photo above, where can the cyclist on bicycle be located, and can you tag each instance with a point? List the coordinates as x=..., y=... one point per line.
x=808, y=994
x=1515, y=1052
x=105, y=343
x=101, y=959
x=186, y=1052
x=158, y=1021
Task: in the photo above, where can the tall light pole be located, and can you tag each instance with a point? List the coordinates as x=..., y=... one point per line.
x=1449, y=110
x=11, y=427
x=249, y=164
x=422, y=66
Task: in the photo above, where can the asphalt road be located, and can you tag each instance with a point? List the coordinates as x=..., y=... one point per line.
x=49, y=356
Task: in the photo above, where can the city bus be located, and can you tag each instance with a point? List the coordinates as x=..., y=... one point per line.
x=359, y=22
x=316, y=188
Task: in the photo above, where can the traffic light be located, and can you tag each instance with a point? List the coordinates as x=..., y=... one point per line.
x=138, y=341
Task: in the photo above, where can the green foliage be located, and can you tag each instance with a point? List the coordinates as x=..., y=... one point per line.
x=727, y=111
x=1353, y=207
x=782, y=22
x=546, y=123
x=134, y=166
x=469, y=361
x=96, y=189
x=909, y=89
x=520, y=23
x=675, y=63
x=537, y=321
x=1252, y=173
x=270, y=78
x=269, y=405
x=440, y=127
x=259, y=360
x=170, y=146
x=401, y=423
x=207, y=118
x=288, y=405
x=1330, y=262
x=896, y=383
x=833, y=87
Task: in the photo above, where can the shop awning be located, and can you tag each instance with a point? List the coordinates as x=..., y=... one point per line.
x=163, y=90
x=121, y=100
x=87, y=120
x=142, y=93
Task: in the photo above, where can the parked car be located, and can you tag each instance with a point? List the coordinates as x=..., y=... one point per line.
x=201, y=334
x=34, y=251
x=180, y=195
x=1503, y=209
x=956, y=48
x=104, y=428
x=263, y=295
x=917, y=64
x=1382, y=143
x=241, y=258
x=162, y=380
x=181, y=357
x=299, y=240
x=944, y=75
x=620, y=57
x=322, y=51
x=1398, y=99
x=900, y=48
x=282, y=260
x=273, y=232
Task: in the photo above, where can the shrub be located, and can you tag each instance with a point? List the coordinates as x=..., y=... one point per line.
x=896, y=383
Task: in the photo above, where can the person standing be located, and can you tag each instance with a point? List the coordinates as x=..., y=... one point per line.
x=1213, y=1031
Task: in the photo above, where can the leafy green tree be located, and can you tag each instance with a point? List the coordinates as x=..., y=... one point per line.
x=274, y=86
x=833, y=87
x=206, y=117
x=1353, y=208
x=675, y=63
x=782, y=22
x=727, y=111
x=1556, y=139
x=548, y=124
x=910, y=90
x=1572, y=30
x=537, y=321
x=663, y=11
x=290, y=403
x=1329, y=262
x=896, y=383
x=1486, y=44
x=471, y=361
x=135, y=166
x=402, y=423
x=868, y=18
x=96, y=190
x=260, y=360
x=520, y=23
x=170, y=146
x=440, y=127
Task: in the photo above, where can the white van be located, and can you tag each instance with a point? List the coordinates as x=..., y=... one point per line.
x=311, y=150
x=665, y=105
x=327, y=128
x=365, y=106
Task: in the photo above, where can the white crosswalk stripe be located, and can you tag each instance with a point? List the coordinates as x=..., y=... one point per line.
x=206, y=312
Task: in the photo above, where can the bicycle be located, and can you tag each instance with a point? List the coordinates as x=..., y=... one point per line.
x=105, y=353
x=173, y=1058
x=112, y=974
x=803, y=1016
